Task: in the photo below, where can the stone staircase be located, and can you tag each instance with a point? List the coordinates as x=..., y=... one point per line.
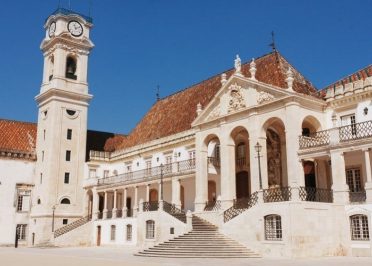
x=67, y=228
x=204, y=241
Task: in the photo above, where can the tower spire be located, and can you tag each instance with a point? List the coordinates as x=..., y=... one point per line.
x=272, y=44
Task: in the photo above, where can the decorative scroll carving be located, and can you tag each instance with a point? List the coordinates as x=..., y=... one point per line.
x=264, y=97
x=215, y=112
x=236, y=101
x=274, y=158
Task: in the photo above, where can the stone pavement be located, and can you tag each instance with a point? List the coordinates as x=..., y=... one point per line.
x=105, y=256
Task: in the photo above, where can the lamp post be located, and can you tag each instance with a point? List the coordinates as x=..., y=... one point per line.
x=53, y=208
x=258, y=148
x=161, y=182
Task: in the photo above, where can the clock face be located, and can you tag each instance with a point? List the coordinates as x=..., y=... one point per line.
x=75, y=28
x=52, y=29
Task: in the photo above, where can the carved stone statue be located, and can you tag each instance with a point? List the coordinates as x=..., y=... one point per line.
x=238, y=64
x=236, y=100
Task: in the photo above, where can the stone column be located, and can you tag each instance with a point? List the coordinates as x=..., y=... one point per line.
x=339, y=186
x=125, y=203
x=160, y=190
x=368, y=184
x=135, y=206
x=105, y=206
x=176, y=192
x=114, y=209
x=147, y=192
x=201, y=174
x=95, y=207
x=227, y=174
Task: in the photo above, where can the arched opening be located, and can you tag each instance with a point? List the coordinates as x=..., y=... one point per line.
x=51, y=67
x=71, y=67
x=310, y=125
x=153, y=196
x=242, y=185
x=65, y=201
x=276, y=153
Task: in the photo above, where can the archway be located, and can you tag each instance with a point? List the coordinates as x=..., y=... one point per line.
x=153, y=195
x=310, y=125
x=242, y=185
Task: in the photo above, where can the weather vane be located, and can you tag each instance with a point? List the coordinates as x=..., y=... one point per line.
x=272, y=44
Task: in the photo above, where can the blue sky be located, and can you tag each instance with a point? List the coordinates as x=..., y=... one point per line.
x=176, y=43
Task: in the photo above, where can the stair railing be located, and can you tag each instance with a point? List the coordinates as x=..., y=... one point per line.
x=174, y=211
x=67, y=228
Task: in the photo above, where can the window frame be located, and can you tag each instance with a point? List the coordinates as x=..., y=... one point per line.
x=112, y=232
x=273, y=227
x=22, y=231
x=68, y=156
x=69, y=134
x=150, y=229
x=129, y=231
x=359, y=227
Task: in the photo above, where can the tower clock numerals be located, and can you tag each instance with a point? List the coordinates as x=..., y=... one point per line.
x=52, y=29
x=75, y=28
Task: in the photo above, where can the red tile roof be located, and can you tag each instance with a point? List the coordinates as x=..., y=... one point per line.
x=175, y=113
x=358, y=75
x=17, y=136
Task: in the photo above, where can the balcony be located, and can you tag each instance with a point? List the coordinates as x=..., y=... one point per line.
x=316, y=194
x=215, y=161
x=154, y=173
x=357, y=196
x=336, y=135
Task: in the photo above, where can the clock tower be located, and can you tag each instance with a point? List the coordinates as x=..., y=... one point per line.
x=62, y=125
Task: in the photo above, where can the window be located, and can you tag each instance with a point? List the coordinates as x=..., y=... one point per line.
x=65, y=201
x=41, y=178
x=349, y=120
x=217, y=152
x=64, y=221
x=353, y=179
x=42, y=156
x=44, y=132
x=71, y=68
x=67, y=178
x=150, y=229
x=113, y=233
x=192, y=158
x=38, y=201
x=168, y=164
x=129, y=168
x=69, y=133
x=23, y=200
x=106, y=173
x=273, y=227
x=92, y=173
x=68, y=156
x=129, y=232
x=148, y=167
x=359, y=227
x=21, y=231
x=240, y=151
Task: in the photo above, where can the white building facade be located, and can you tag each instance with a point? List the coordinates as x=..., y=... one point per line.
x=257, y=152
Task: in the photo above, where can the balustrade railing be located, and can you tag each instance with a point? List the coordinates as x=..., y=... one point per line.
x=215, y=161
x=239, y=206
x=129, y=212
x=213, y=205
x=167, y=170
x=356, y=131
x=108, y=214
x=358, y=196
x=119, y=213
x=99, y=215
x=149, y=206
x=316, y=194
x=277, y=194
x=316, y=139
x=174, y=211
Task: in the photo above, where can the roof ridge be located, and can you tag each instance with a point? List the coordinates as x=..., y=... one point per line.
x=17, y=121
x=214, y=76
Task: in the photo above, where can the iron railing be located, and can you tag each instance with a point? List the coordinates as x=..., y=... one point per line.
x=239, y=206
x=119, y=213
x=149, y=206
x=129, y=212
x=316, y=139
x=316, y=194
x=356, y=131
x=358, y=196
x=99, y=215
x=213, y=205
x=167, y=170
x=215, y=161
x=174, y=211
x=72, y=226
x=277, y=194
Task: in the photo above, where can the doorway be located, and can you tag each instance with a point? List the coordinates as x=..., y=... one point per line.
x=309, y=170
x=211, y=191
x=98, y=236
x=153, y=195
x=242, y=185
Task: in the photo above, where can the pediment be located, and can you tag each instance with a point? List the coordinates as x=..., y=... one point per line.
x=236, y=95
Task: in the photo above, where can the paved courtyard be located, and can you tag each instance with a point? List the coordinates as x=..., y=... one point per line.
x=123, y=256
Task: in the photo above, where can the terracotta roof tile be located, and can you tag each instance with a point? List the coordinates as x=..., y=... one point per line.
x=17, y=136
x=175, y=113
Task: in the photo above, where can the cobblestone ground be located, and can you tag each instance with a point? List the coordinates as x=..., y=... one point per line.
x=123, y=256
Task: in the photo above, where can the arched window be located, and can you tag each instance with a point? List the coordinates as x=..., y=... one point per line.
x=38, y=201
x=51, y=67
x=65, y=201
x=129, y=232
x=113, y=233
x=273, y=227
x=150, y=229
x=71, y=68
x=359, y=227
